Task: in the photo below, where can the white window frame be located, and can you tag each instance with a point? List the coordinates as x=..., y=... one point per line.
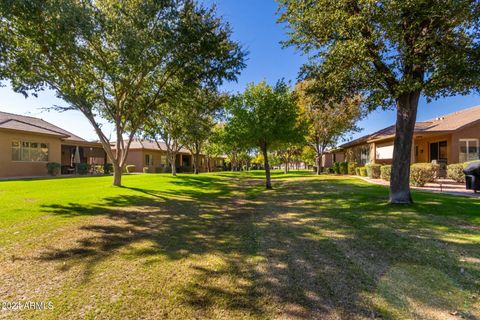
x=467, y=142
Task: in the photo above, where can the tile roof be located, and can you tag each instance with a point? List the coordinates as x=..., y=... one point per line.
x=449, y=122
x=35, y=125
x=150, y=145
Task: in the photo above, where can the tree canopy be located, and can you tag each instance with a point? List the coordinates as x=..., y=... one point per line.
x=265, y=117
x=391, y=51
x=116, y=59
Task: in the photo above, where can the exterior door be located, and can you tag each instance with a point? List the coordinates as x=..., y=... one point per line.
x=438, y=151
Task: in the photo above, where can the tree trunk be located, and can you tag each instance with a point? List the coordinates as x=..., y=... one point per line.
x=195, y=160
x=173, y=165
x=286, y=167
x=318, y=163
x=268, y=183
x=117, y=175
x=400, y=177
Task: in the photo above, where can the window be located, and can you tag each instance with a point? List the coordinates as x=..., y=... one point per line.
x=29, y=151
x=438, y=151
x=384, y=151
x=468, y=150
x=148, y=160
x=365, y=155
x=163, y=159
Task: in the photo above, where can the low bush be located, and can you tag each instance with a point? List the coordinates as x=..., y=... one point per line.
x=130, y=168
x=421, y=173
x=385, y=172
x=107, y=168
x=146, y=170
x=98, y=168
x=362, y=171
x=53, y=168
x=373, y=170
x=455, y=172
x=343, y=167
x=336, y=167
x=328, y=170
x=352, y=166
x=83, y=168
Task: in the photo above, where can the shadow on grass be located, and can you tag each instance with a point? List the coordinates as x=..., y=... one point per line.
x=316, y=249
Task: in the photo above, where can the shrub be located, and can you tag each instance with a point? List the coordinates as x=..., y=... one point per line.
x=336, y=167
x=357, y=171
x=107, y=168
x=421, y=173
x=130, y=168
x=53, y=168
x=352, y=166
x=145, y=170
x=363, y=171
x=98, y=168
x=373, y=170
x=83, y=168
x=328, y=170
x=385, y=172
x=455, y=172
x=343, y=167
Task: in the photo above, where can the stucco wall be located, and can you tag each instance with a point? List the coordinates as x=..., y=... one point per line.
x=10, y=168
x=471, y=132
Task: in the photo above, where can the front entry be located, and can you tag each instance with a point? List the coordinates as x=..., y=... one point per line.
x=439, y=151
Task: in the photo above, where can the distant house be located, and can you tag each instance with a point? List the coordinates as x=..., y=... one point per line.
x=452, y=138
x=27, y=144
x=145, y=153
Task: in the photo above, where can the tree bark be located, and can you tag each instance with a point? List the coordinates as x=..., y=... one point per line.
x=173, y=165
x=117, y=175
x=268, y=183
x=195, y=160
x=318, y=162
x=400, y=177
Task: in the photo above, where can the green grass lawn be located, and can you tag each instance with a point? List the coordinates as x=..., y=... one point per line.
x=219, y=246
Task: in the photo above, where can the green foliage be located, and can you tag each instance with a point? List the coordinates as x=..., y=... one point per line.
x=83, y=168
x=455, y=172
x=336, y=167
x=53, y=168
x=373, y=170
x=107, y=168
x=352, y=166
x=129, y=168
x=385, y=172
x=116, y=60
x=343, y=167
x=362, y=171
x=421, y=173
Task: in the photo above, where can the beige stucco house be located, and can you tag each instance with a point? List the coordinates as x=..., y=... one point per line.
x=27, y=144
x=145, y=153
x=452, y=138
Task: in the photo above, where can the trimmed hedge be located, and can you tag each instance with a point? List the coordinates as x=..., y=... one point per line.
x=83, y=168
x=343, y=167
x=421, y=173
x=130, y=168
x=336, y=167
x=53, y=168
x=455, y=172
x=362, y=171
x=385, y=172
x=352, y=166
x=373, y=170
x=107, y=168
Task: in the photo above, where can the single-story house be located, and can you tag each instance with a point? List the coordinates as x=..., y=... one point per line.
x=146, y=153
x=452, y=138
x=27, y=144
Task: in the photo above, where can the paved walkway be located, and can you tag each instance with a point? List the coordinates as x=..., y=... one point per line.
x=439, y=186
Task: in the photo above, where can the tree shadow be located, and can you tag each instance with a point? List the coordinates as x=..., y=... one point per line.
x=315, y=250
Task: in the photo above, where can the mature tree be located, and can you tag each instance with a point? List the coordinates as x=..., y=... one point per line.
x=214, y=147
x=393, y=51
x=267, y=117
x=327, y=118
x=203, y=105
x=167, y=124
x=233, y=144
x=114, y=59
x=287, y=153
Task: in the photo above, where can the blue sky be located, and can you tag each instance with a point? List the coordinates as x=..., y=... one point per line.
x=254, y=26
